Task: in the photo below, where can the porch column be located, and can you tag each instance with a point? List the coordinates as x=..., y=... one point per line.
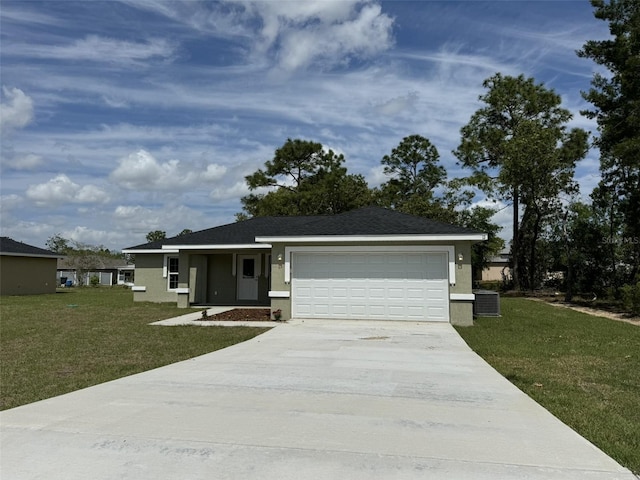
x=183, y=280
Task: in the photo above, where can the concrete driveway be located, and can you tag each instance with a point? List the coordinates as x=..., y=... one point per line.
x=308, y=400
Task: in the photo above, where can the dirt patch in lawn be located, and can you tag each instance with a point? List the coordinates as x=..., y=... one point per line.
x=241, y=315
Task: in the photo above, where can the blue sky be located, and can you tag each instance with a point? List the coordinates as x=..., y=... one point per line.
x=123, y=117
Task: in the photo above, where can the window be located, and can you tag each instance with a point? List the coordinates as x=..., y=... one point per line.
x=248, y=268
x=172, y=272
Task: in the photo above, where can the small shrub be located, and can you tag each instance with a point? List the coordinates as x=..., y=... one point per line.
x=631, y=298
x=94, y=281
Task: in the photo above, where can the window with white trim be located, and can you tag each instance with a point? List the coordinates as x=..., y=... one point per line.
x=172, y=272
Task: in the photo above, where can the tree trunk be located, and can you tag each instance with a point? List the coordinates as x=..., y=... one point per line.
x=532, y=258
x=515, y=243
x=568, y=295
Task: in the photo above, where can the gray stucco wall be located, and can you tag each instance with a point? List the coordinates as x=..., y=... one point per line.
x=148, y=274
x=27, y=275
x=461, y=311
x=208, y=277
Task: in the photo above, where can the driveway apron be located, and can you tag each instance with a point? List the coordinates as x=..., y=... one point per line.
x=307, y=400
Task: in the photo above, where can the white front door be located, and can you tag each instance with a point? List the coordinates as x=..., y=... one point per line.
x=247, y=273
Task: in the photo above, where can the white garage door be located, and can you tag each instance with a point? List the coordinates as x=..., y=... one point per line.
x=371, y=285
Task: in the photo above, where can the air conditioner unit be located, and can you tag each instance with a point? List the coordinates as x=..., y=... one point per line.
x=486, y=304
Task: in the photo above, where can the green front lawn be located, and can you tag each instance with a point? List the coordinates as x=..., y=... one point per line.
x=583, y=369
x=54, y=344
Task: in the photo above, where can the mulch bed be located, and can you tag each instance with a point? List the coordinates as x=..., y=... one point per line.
x=242, y=315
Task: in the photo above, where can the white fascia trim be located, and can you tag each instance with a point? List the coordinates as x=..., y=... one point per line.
x=279, y=294
x=462, y=296
x=154, y=250
x=448, y=249
x=139, y=288
x=216, y=247
x=375, y=238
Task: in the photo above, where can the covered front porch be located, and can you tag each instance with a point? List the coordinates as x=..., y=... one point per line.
x=227, y=277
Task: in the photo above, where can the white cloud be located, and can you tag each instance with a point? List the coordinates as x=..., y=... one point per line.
x=376, y=176
x=397, y=105
x=213, y=173
x=315, y=33
x=290, y=34
x=98, y=49
x=28, y=161
x=61, y=190
x=9, y=203
x=237, y=190
x=172, y=219
x=141, y=171
x=16, y=111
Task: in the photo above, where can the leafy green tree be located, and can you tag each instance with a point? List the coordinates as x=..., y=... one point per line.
x=519, y=151
x=414, y=174
x=418, y=186
x=479, y=218
x=616, y=107
x=156, y=235
x=583, y=229
x=417, y=182
x=58, y=244
x=186, y=231
x=303, y=179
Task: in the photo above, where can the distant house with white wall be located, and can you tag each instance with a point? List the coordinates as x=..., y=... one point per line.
x=498, y=269
x=109, y=271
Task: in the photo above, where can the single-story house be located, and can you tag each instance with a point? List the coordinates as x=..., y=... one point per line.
x=25, y=269
x=497, y=268
x=370, y=263
x=108, y=270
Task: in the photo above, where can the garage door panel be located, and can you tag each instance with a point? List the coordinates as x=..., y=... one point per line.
x=396, y=294
x=396, y=286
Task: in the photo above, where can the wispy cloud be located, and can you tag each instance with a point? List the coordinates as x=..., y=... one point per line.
x=149, y=115
x=94, y=48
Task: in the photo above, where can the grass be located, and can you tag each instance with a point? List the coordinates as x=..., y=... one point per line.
x=54, y=344
x=583, y=369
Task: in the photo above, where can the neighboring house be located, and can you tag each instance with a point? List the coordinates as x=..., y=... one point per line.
x=369, y=263
x=108, y=270
x=126, y=275
x=25, y=269
x=498, y=268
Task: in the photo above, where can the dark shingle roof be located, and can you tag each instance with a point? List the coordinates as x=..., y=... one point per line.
x=9, y=246
x=375, y=221
x=363, y=221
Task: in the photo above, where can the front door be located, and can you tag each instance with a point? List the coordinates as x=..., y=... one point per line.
x=248, y=277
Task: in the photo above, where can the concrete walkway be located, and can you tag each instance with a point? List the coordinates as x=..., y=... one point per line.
x=308, y=400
